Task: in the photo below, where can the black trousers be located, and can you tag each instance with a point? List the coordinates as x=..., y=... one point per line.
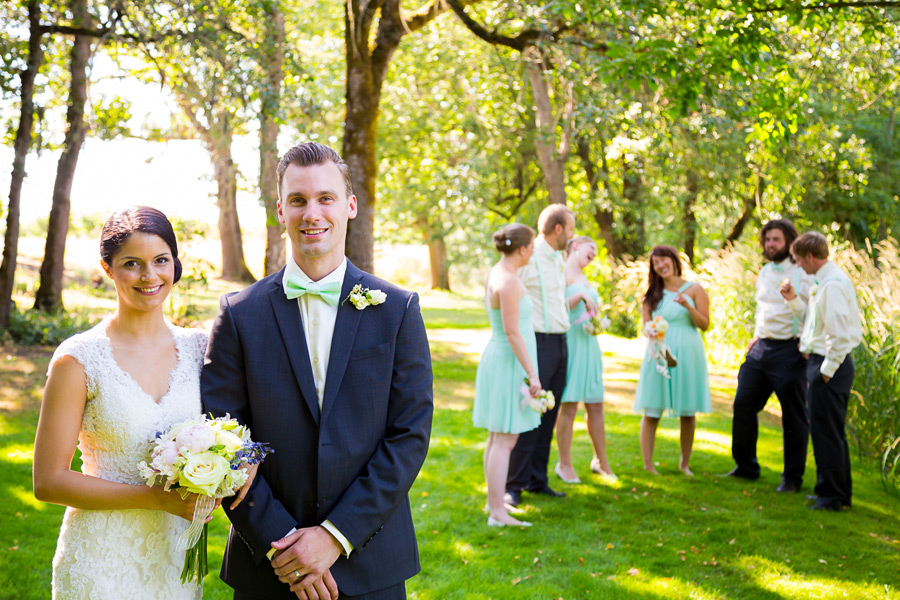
x=529, y=458
x=394, y=592
x=771, y=366
x=827, y=417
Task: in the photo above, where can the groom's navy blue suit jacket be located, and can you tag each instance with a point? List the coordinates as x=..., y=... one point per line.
x=354, y=461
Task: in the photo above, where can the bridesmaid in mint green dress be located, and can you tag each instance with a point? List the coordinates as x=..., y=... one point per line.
x=510, y=356
x=584, y=373
x=685, y=306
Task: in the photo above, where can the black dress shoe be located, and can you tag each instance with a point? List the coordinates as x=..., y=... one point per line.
x=736, y=472
x=787, y=486
x=549, y=491
x=831, y=506
x=513, y=498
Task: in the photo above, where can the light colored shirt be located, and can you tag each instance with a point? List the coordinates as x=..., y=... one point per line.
x=774, y=317
x=544, y=278
x=833, y=327
x=318, y=318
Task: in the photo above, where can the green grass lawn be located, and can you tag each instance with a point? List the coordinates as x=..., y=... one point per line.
x=666, y=536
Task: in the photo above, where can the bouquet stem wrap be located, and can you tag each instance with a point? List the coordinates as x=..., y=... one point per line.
x=202, y=509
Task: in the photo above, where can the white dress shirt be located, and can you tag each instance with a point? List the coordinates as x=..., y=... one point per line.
x=545, y=277
x=774, y=317
x=318, y=318
x=832, y=327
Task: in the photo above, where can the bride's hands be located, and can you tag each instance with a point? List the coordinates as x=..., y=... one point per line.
x=242, y=493
x=172, y=503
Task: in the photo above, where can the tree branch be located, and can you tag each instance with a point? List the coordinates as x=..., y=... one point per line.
x=524, y=39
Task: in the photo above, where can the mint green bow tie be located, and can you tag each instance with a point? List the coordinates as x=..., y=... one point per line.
x=329, y=292
x=777, y=267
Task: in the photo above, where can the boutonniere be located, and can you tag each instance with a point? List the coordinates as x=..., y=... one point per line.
x=813, y=290
x=361, y=297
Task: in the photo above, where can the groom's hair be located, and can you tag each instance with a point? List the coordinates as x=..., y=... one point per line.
x=309, y=154
x=811, y=243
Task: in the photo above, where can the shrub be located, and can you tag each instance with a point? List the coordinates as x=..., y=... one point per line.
x=33, y=327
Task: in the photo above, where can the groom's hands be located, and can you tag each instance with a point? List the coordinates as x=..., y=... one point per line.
x=302, y=560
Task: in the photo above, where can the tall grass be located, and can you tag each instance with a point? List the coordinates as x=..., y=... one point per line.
x=873, y=416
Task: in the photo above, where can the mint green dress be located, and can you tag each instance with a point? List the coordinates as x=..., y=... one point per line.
x=584, y=372
x=499, y=378
x=687, y=391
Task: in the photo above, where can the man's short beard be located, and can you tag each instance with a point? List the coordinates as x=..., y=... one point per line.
x=779, y=256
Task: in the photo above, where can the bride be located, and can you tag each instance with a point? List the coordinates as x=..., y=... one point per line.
x=110, y=390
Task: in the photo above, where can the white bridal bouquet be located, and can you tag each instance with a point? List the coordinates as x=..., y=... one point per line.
x=655, y=330
x=203, y=456
x=595, y=324
x=544, y=402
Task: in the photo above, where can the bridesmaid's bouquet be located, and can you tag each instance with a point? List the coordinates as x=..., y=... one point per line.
x=595, y=324
x=204, y=456
x=659, y=350
x=544, y=402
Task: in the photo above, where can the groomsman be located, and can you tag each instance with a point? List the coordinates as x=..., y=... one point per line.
x=832, y=328
x=545, y=280
x=774, y=364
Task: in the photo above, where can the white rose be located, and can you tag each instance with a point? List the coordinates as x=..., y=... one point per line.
x=359, y=301
x=203, y=472
x=231, y=442
x=376, y=296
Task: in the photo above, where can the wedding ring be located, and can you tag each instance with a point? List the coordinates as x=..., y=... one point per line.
x=297, y=574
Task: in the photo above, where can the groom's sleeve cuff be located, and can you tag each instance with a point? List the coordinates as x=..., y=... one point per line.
x=344, y=542
x=271, y=551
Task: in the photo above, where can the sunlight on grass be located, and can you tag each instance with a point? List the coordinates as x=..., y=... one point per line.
x=18, y=454
x=25, y=496
x=662, y=587
x=780, y=579
x=712, y=441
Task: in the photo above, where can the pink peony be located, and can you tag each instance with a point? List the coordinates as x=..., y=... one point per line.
x=196, y=438
x=166, y=454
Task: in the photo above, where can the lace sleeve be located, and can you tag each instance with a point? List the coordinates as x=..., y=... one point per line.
x=81, y=349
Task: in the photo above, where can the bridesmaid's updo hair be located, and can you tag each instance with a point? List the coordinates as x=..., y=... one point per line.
x=144, y=219
x=510, y=238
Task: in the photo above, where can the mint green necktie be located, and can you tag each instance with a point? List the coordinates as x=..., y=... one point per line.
x=329, y=292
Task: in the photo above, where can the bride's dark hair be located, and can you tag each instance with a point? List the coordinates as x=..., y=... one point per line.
x=121, y=224
x=655, y=283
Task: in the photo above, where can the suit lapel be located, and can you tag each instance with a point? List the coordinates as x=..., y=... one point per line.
x=345, y=327
x=287, y=314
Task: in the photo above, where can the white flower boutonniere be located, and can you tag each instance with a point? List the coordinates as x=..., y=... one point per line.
x=362, y=297
x=813, y=290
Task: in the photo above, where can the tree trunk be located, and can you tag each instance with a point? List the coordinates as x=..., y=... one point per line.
x=437, y=254
x=750, y=202
x=553, y=162
x=603, y=216
x=49, y=295
x=269, y=120
x=360, y=139
x=633, y=235
x=440, y=274
x=688, y=215
x=22, y=145
x=234, y=268
x=367, y=65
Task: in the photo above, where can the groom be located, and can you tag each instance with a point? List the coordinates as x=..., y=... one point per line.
x=341, y=390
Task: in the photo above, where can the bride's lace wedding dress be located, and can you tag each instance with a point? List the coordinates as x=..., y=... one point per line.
x=125, y=554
